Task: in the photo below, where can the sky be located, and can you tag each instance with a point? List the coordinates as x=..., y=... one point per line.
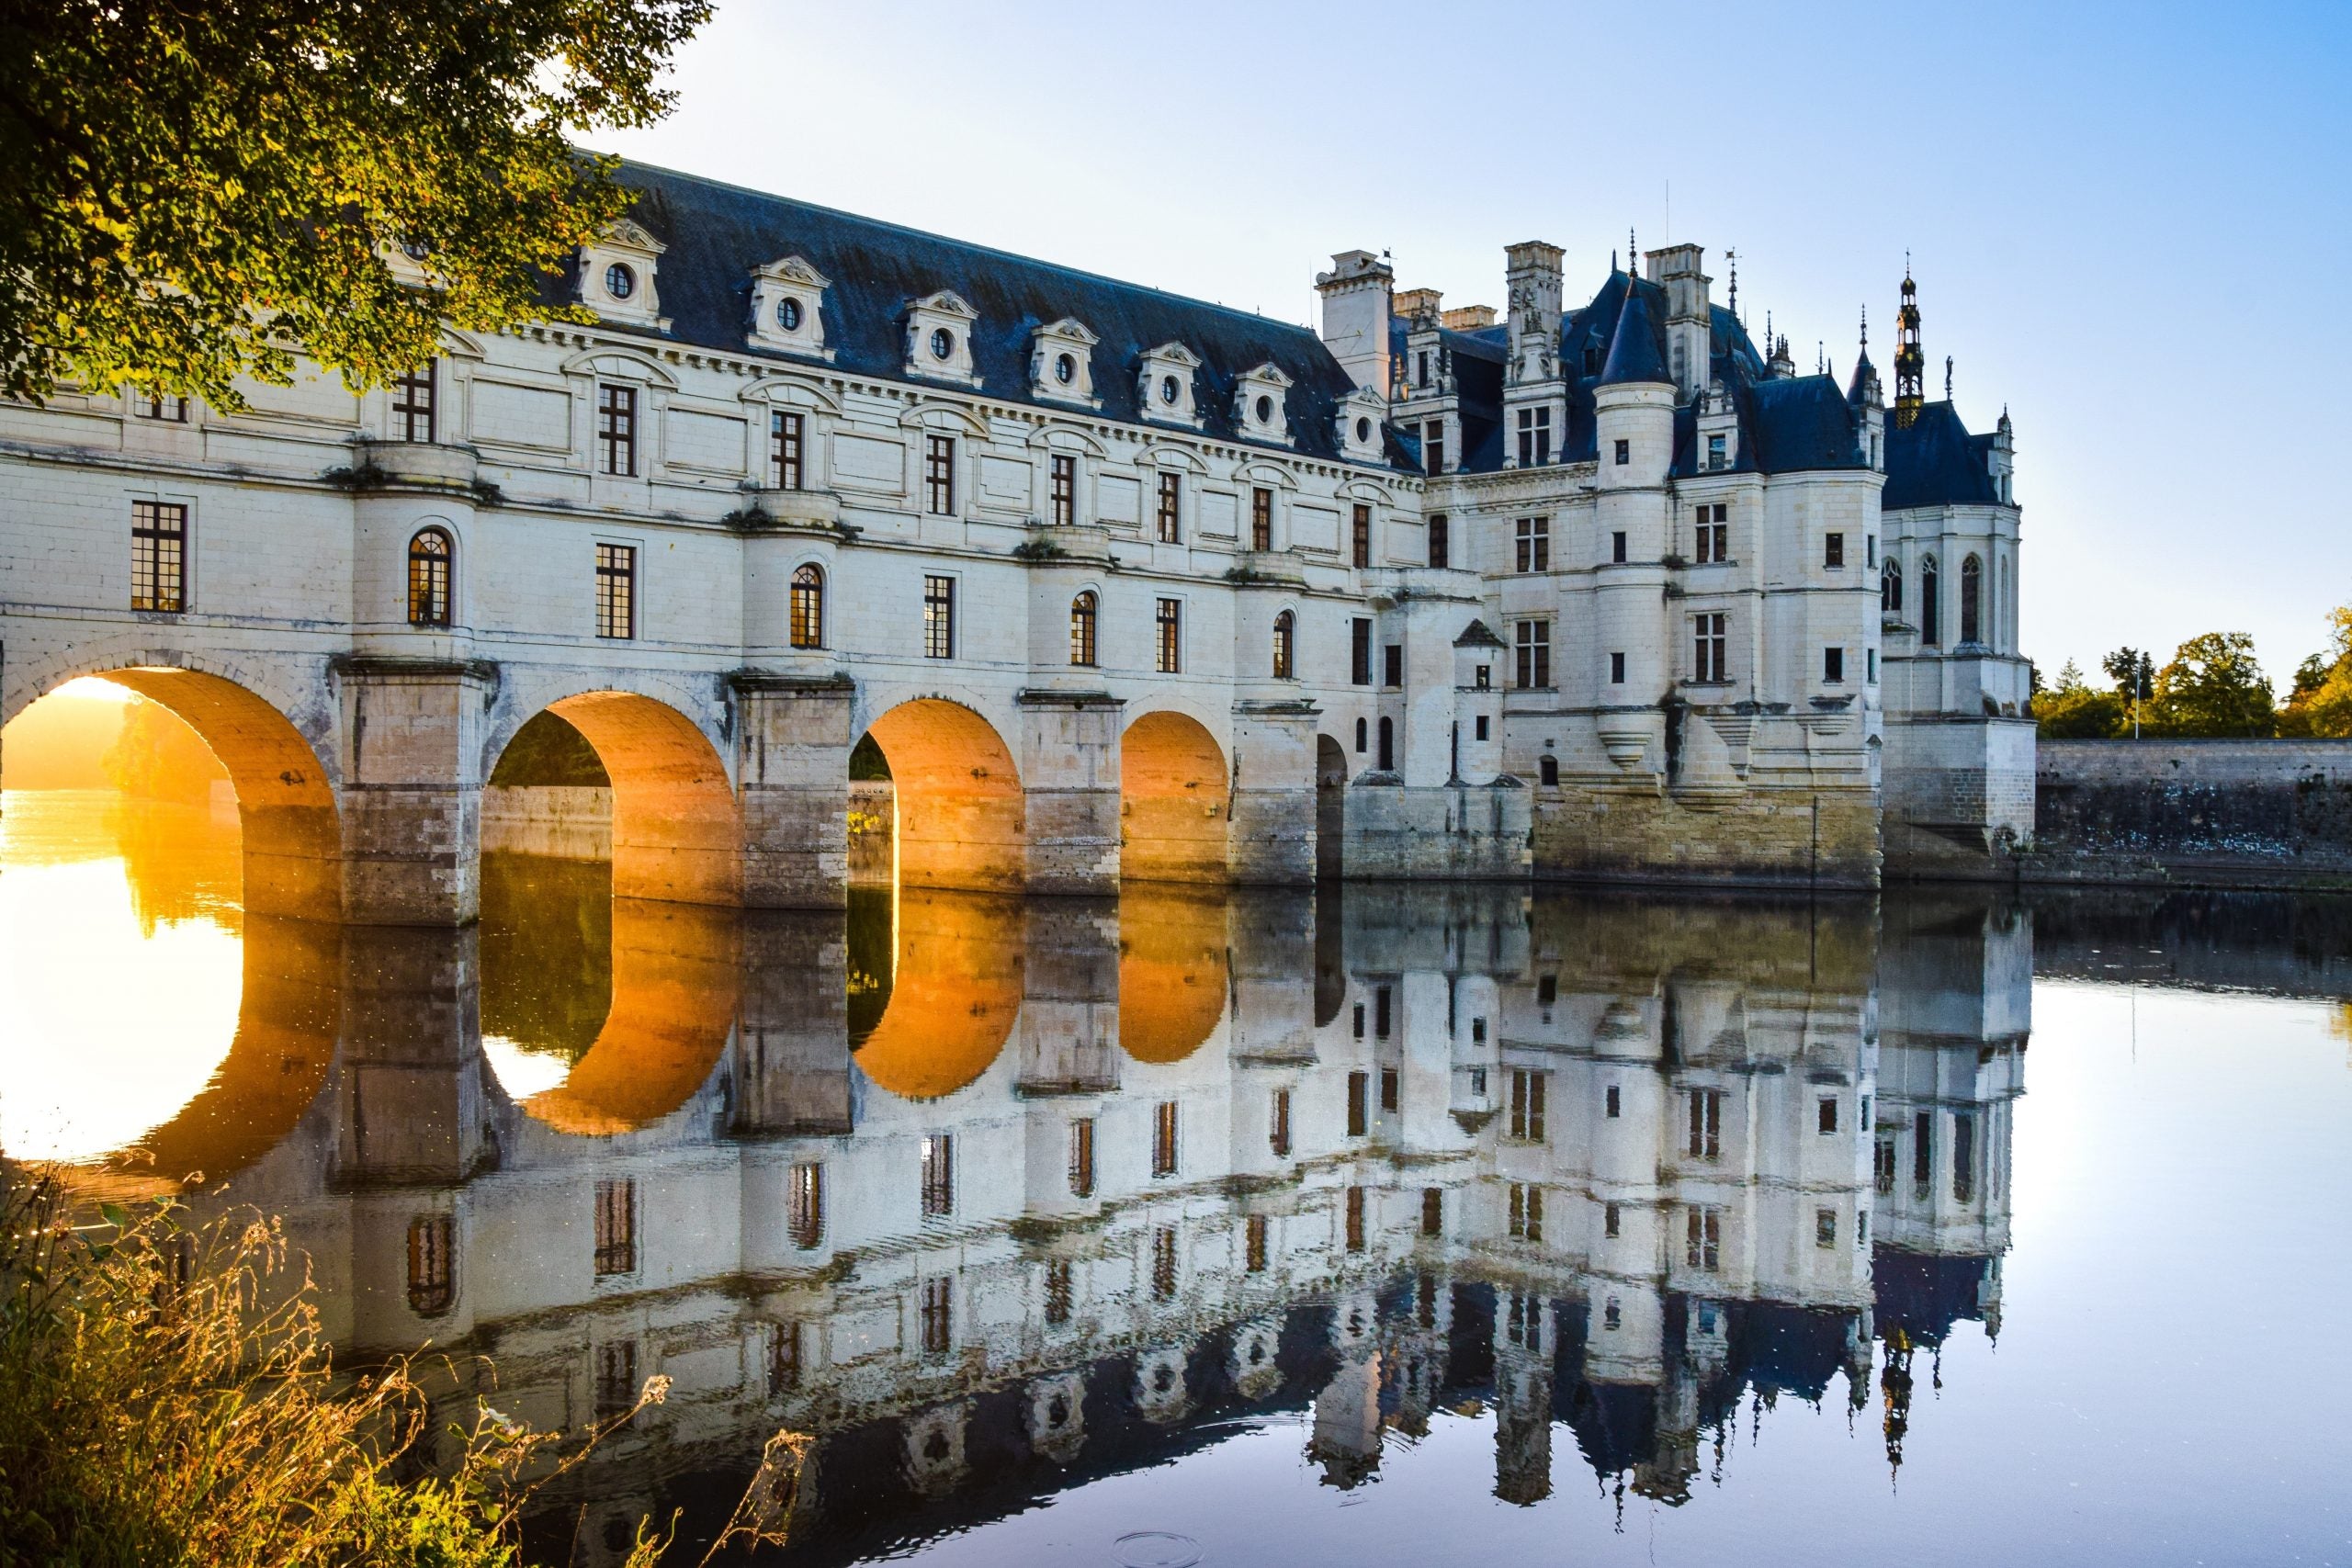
x=2128, y=224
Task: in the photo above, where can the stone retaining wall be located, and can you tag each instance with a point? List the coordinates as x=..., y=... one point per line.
x=2193, y=813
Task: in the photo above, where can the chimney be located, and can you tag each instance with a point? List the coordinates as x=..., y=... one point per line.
x=1417, y=306
x=1688, y=329
x=1467, y=318
x=1532, y=276
x=1355, y=315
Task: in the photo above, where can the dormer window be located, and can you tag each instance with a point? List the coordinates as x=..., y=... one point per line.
x=1061, y=363
x=1164, y=386
x=1168, y=391
x=1258, y=404
x=1363, y=430
x=1065, y=369
x=1360, y=425
x=621, y=280
x=787, y=315
x=939, y=339
x=1265, y=410
x=619, y=275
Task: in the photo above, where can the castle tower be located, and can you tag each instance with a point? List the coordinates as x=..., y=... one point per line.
x=1910, y=361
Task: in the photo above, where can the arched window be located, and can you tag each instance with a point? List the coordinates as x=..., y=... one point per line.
x=1972, y=593
x=1931, y=612
x=1284, y=625
x=1362, y=737
x=808, y=607
x=1387, y=745
x=1890, y=587
x=428, y=578
x=1081, y=628
x=1547, y=770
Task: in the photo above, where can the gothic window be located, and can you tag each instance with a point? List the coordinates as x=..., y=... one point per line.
x=1931, y=631
x=1169, y=624
x=788, y=466
x=1170, y=512
x=1261, y=519
x=807, y=607
x=1535, y=652
x=1364, y=736
x=939, y=474
x=938, y=617
x=616, y=591
x=1392, y=665
x=938, y=1175
x=1890, y=587
x=1285, y=625
x=1387, y=745
x=429, y=556
x=1971, y=588
x=1833, y=666
x=615, y=1228
x=1062, y=489
x=1624, y=453
x=432, y=1267
x=1361, y=531
x=1533, y=543
x=617, y=429
x=1439, y=543
x=1081, y=628
x=1616, y=669
x=413, y=404
x=1617, y=546
x=158, y=556
x=1547, y=770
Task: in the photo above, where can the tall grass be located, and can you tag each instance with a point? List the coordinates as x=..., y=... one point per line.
x=166, y=1398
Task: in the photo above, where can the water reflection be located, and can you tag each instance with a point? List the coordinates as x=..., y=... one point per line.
x=1002, y=1202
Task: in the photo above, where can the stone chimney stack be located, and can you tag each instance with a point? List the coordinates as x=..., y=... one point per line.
x=1356, y=297
x=1532, y=276
x=1689, y=329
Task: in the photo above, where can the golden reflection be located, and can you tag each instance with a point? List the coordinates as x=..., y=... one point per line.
x=953, y=998
x=1172, y=970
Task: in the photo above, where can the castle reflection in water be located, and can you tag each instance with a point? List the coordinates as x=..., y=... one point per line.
x=993, y=1198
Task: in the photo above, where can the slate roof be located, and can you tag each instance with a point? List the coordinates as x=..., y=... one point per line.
x=717, y=234
x=1937, y=462
x=1637, y=349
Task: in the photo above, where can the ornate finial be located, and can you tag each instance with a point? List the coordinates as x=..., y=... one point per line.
x=1633, y=254
x=1947, y=378
x=1733, y=257
x=1866, y=328
x=1820, y=357
x=1612, y=260
x=1907, y=264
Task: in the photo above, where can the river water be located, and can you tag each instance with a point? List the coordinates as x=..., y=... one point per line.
x=1388, y=1226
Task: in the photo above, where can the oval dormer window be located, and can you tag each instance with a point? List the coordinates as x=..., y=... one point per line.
x=1167, y=390
x=1363, y=432
x=415, y=249
x=619, y=281
x=1065, y=370
x=1265, y=410
x=943, y=343
x=788, y=314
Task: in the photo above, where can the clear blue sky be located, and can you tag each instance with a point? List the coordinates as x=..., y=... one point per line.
x=2129, y=224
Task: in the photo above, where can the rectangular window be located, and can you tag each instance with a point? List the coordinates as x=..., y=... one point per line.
x=413, y=404
x=805, y=1208
x=1617, y=546
x=1255, y=1256
x=784, y=1358
x=939, y=474
x=1532, y=542
x=1380, y=1012
x=1392, y=665
x=164, y=407
x=939, y=1175
x=616, y=428
x=1706, y=1109
x=1964, y=1159
x=158, y=556
x=616, y=1380
x=1716, y=456
x=1441, y=540
x=1360, y=651
x=1278, y=1133
x=1421, y=369
x=1825, y=1118
x=1534, y=437
x=1613, y=1102
x=1391, y=1089
x=1170, y=622
x=1359, y=1104
x=1359, y=1021
x=1833, y=666
x=1709, y=646
x=1261, y=519
x=1057, y=1290
x=939, y=618
x=1923, y=1150
x=1359, y=532
x=1082, y=1157
x=432, y=1241
x=1624, y=453
x=615, y=1228
x=1833, y=552
x=1062, y=489
x=1882, y=1167
x=1170, y=512
x=616, y=591
x=1824, y=1227
x=1711, y=535
x=1870, y=665
x=1870, y=551
x=787, y=470
x=1527, y=1105
x=1703, y=1240
x=938, y=1315
x=1616, y=669
x=1433, y=446
x=1355, y=1219
x=1482, y=726
x=1535, y=652
x=1163, y=1139
x=1611, y=1222
x=1432, y=1213
x=1526, y=1213
x=1163, y=1262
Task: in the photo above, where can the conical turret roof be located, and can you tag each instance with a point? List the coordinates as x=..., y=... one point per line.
x=1634, y=354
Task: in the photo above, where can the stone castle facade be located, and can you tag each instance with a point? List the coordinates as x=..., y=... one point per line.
x=1123, y=584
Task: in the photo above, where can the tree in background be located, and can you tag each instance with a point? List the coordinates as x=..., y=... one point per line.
x=2074, y=710
x=2320, y=707
x=157, y=757
x=2213, y=688
x=192, y=193
x=2134, y=674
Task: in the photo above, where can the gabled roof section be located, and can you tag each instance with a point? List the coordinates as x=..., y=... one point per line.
x=718, y=235
x=1637, y=348
x=1803, y=422
x=1936, y=462
x=1477, y=633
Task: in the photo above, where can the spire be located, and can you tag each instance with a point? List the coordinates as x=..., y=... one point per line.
x=1910, y=361
x=1733, y=257
x=1863, y=389
x=1947, y=378
x=1632, y=350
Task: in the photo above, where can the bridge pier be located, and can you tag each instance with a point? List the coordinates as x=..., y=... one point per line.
x=1070, y=775
x=795, y=735
x=1271, y=837
x=412, y=788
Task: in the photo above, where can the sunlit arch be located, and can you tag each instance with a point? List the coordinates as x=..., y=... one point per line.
x=1174, y=971
x=962, y=820
x=954, y=994
x=1173, y=800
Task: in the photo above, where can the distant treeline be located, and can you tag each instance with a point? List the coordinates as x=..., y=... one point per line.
x=2212, y=688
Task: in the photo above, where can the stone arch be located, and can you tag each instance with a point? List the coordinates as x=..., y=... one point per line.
x=286, y=795
x=962, y=820
x=1330, y=807
x=1174, y=971
x=1174, y=796
x=956, y=988
x=676, y=973
x=677, y=831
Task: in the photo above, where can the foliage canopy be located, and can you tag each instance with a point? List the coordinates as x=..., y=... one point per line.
x=189, y=191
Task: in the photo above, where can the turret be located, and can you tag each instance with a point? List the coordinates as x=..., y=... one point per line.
x=1633, y=413
x=1356, y=294
x=2002, y=458
x=1910, y=360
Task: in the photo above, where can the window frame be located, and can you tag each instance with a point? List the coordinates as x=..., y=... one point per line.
x=1531, y=653
x=1440, y=542
x=1261, y=518
x=938, y=475
x=416, y=398
x=807, y=596
x=1168, y=507
x=1285, y=665
x=938, y=615
x=616, y=418
x=616, y=591
x=1085, y=614
x=159, y=555
x=1359, y=534
x=788, y=448
x=1711, y=648
x=1532, y=544
x=1168, y=636
x=437, y=606
x=1061, y=489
